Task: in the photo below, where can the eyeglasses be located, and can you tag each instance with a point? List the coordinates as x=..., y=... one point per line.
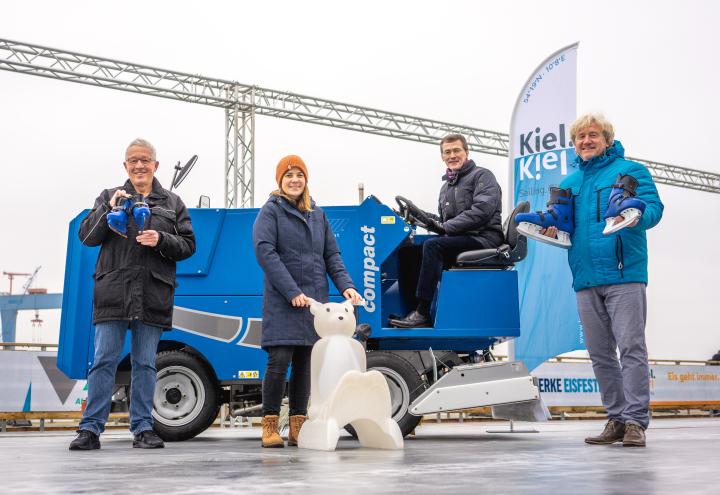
x=454, y=151
x=135, y=161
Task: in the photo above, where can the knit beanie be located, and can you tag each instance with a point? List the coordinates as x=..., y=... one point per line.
x=285, y=164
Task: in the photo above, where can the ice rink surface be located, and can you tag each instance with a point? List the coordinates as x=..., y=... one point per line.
x=682, y=456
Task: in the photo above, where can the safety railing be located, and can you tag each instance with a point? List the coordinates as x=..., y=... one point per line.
x=27, y=346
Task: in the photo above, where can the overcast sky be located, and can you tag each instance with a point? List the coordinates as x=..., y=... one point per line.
x=650, y=66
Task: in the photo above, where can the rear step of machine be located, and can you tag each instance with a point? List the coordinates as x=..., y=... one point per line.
x=507, y=387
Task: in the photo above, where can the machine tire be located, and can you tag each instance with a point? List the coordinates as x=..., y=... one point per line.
x=405, y=385
x=186, y=396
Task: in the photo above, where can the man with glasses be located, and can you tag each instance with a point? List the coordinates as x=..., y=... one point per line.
x=142, y=230
x=470, y=205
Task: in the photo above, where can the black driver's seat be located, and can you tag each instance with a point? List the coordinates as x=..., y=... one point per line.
x=514, y=248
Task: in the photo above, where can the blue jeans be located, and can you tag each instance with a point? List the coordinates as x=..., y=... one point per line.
x=109, y=340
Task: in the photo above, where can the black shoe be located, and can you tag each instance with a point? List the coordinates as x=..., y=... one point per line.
x=147, y=439
x=413, y=320
x=85, y=440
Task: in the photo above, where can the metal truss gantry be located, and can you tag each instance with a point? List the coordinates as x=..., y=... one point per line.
x=243, y=102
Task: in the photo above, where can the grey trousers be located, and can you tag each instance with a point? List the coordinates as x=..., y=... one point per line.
x=613, y=317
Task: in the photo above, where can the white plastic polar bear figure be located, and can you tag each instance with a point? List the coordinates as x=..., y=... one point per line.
x=341, y=390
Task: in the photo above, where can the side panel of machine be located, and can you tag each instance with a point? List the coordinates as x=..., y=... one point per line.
x=488, y=298
x=76, y=329
x=368, y=235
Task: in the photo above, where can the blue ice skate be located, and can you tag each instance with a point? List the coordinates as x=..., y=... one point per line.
x=623, y=203
x=559, y=215
x=117, y=219
x=141, y=214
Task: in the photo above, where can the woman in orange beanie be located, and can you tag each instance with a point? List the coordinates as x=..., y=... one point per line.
x=296, y=249
x=292, y=172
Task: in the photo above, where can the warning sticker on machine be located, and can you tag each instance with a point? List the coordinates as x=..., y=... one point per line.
x=388, y=219
x=248, y=374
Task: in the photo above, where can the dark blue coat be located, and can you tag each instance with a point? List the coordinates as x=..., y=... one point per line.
x=295, y=250
x=471, y=204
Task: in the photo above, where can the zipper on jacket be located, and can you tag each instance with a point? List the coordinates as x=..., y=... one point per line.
x=619, y=254
x=598, y=205
x=102, y=217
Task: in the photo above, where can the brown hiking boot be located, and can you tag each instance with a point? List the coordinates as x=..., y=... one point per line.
x=613, y=432
x=270, y=436
x=296, y=423
x=634, y=436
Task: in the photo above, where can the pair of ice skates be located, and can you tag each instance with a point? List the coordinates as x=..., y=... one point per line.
x=622, y=203
x=118, y=218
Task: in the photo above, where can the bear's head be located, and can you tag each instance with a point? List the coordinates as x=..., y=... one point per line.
x=333, y=318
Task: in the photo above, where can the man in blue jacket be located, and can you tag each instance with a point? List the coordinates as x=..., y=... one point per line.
x=610, y=276
x=469, y=207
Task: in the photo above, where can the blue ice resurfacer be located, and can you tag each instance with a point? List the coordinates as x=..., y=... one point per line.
x=212, y=355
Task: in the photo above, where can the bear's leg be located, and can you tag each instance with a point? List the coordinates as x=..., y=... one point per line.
x=317, y=434
x=378, y=433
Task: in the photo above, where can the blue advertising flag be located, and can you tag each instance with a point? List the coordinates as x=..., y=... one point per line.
x=541, y=155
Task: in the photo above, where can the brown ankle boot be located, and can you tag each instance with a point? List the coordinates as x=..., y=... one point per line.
x=613, y=432
x=270, y=436
x=296, y=423
x=634, y=436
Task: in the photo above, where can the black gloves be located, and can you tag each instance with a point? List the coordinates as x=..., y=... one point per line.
x=435, y=226
x=419, y=215
x=424, y=219
x=415, y=216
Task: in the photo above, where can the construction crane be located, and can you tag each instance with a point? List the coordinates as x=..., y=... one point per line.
x=30, y=280
x=243, y=102
x=36, y=321
x=29, y=299
x=12, y=275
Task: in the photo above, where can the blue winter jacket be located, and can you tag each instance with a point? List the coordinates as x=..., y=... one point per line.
x=596, y=259
x=297, y=251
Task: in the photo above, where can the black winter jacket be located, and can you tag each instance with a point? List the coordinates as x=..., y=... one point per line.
x=135, y=282
x=471, y=204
